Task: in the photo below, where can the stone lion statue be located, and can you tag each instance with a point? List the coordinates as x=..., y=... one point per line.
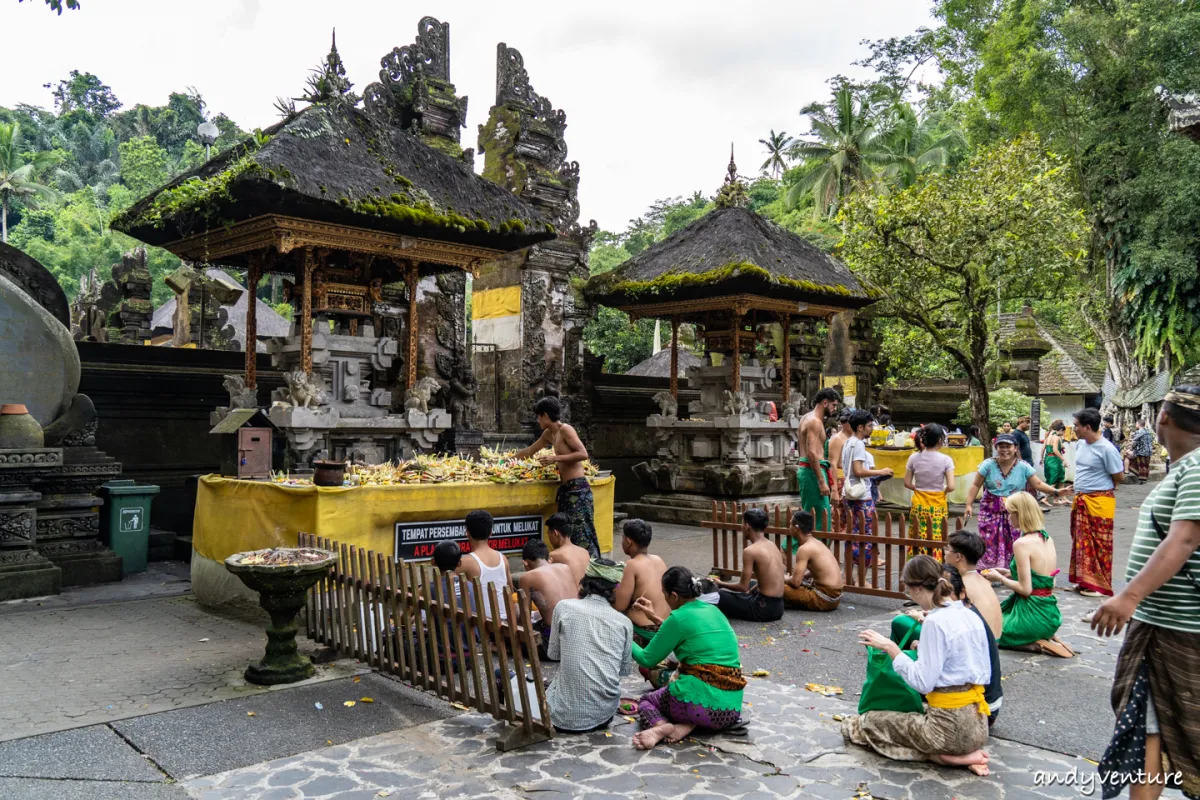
x=239, y=395
x=736, y=403
x=304, y=391
x=794, y=408
x=417, y=398
x=668, y=405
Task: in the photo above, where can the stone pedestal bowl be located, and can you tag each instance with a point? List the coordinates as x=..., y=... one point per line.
x=281, y=585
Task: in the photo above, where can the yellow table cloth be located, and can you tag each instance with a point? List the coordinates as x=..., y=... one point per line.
x=233, y=516
x=966, y=464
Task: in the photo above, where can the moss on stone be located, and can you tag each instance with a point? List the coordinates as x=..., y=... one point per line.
x=675, y=281
x=419, y=213
x=202, y=195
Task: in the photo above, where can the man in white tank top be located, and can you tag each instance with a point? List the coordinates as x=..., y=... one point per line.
x=490, y=566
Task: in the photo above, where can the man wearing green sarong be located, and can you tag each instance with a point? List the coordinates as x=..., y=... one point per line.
x=813, y=476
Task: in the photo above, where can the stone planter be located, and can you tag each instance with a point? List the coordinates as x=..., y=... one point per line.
x=281, y=586
x=329, y=473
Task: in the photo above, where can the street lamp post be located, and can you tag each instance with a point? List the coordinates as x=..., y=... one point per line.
x=208, y=133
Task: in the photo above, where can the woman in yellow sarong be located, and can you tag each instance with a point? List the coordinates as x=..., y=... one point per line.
x=930, y=476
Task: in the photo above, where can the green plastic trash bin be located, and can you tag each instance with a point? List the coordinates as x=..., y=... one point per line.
x=125, y=523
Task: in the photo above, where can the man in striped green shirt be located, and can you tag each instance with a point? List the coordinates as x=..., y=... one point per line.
x=1156, y=691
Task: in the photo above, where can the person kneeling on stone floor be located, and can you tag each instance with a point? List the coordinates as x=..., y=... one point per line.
x=952, y=671
x=816, y=580
x=563, y=550
x=592, y=642
x=642, y=578
x=758, y=594
x=547, y=585
x=706, y=690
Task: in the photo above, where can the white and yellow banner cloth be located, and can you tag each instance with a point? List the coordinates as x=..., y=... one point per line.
x=496, y=317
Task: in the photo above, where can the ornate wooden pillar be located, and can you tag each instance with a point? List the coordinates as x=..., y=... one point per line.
x=785, y=390
x=737, y=352
x=306, y=313
x=411, y=278
x=675, y=356
x=253, y=274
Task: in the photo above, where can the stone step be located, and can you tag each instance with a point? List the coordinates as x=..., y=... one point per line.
x=183, y=549
x=161, y=546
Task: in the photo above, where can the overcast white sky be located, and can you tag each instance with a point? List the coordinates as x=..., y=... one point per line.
x=654, y=90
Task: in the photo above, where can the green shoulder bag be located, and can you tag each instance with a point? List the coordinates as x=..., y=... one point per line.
x=884, y=690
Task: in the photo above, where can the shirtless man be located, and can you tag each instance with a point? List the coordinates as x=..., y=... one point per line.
x=816, y=484
x=963, y=553
x=563, y=550
x=836, y=443
x=816, y=580
x=547, y=583
x=574, y=494
x=762, y=563
x=642, y=578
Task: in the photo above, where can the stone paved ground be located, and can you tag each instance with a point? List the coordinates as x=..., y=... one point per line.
x=69, y=667
x=87, y=658
x=794, y=749
x=1054, y=703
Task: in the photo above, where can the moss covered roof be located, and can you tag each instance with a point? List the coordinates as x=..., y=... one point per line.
x=729, y=251
x=333, y=163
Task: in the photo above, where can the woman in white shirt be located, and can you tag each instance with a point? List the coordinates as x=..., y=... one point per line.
x=858, y=492
x=952, y=672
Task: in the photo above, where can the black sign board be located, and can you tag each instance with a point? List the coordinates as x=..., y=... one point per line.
x=1035, y=420
x=416, y=540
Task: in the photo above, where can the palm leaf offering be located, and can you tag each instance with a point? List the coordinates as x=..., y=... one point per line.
x=492, y=467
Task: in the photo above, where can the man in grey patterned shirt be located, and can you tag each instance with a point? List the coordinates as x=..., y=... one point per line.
x=593, y=643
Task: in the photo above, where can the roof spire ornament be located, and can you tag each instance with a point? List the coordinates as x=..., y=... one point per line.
x=328, y=82
x=733, y=192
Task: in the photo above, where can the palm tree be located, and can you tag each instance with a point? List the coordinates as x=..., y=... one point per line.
x=848, y=152
x=777, y=145
x=18, y=177
x=94, y=155
x=920, y=144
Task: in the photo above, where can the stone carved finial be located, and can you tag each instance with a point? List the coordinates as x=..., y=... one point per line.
x=512, y=79
x=328, y=83
x=733, y=192
x=414, y=90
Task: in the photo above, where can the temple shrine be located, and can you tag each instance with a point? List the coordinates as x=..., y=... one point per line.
x=745, y=283
x=374, y=216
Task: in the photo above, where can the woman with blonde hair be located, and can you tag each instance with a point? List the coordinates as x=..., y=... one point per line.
x=1031, y=615
x=952, y=671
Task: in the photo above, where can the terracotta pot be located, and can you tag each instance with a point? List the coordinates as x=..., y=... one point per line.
x=329, y=473
x=18, y=428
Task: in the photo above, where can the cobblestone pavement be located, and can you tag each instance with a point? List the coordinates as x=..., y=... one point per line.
x=794, y=748
x=69, y=667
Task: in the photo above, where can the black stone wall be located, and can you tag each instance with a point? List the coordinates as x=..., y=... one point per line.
x=153, y=405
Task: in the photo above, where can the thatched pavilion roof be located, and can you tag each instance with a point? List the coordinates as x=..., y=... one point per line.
x=727, y=252
x=334, y=163
x=659, y=364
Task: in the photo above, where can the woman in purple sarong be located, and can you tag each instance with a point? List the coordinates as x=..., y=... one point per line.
x=998, y=477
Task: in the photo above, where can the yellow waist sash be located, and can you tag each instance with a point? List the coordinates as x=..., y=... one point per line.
x=973, y=696
x=929, y=499
x=1098, y=505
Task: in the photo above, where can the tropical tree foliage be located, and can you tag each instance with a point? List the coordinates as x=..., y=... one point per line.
x=1004, y=405
x=1086, y=77
x=19, y=175
x=943, y=251
x=99, y=158
x=778, y=147
x=848, y=152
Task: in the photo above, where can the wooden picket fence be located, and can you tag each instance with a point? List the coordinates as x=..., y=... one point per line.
x=403, y=619
x=728, y=541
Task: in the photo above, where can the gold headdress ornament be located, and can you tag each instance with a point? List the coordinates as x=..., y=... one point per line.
x=1183, y=400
